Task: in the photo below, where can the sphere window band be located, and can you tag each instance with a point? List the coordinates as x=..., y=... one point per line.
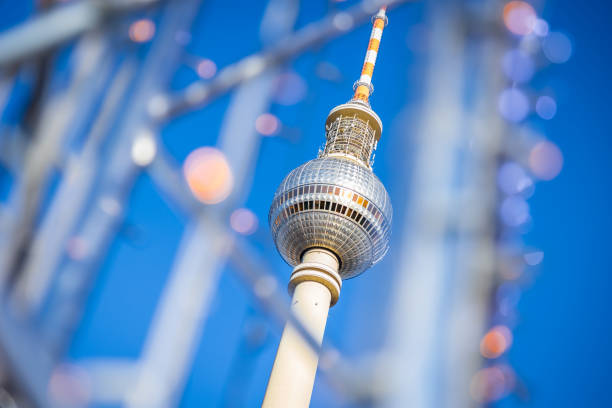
x=312, y=189
x=314, y=204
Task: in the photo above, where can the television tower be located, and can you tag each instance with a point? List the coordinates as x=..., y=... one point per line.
x=331, y=220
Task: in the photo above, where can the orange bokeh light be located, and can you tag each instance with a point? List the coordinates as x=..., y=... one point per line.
x=492, y=383
x=142, y=30
x=495, y=342
x=519, y=17
x=208, y=175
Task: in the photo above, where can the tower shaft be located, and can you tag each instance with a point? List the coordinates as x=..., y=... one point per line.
x=295, y=366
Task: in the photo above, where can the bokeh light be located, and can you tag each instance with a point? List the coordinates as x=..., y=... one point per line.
x=508, y=295
x=557, y=47
x=519, y=17
x=492, y=383
x=511, y=269
x=545, y=160
x=495, y=342
x=158, y=106
x=289, y=89
x=328, y=71
x=546, y=107
x=70, y=386
x=514, y=211
x=144, y=148
x=142, y=30
x=329, y=358
x=513, y=179
x=110, y=205
x=533, y=258
x=540, y=28
x=513, y=105
x=518, y=66
x=208, y=175
x=77, y=248
x=206, y=69
x=343, y=21
x=244, y=221
x=265, y=286
x=267, y=124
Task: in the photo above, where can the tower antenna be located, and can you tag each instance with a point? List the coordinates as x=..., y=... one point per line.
x=363, y=87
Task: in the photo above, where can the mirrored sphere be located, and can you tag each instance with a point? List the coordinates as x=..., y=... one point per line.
x=334, y=203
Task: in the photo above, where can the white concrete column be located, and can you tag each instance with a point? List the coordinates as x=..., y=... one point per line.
x=316, y=287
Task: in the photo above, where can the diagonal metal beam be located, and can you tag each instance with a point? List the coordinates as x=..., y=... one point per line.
x=58, y=26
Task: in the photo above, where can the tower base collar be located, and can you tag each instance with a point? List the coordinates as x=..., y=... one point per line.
x=320, y=265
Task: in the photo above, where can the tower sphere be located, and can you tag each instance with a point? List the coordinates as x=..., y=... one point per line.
x=335, y=201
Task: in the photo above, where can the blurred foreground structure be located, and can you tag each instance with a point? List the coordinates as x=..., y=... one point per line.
x=75, y=141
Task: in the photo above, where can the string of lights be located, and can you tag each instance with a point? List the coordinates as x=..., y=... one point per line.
x=521, y=165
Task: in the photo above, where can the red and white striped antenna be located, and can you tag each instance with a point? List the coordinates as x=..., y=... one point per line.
x=363, y=87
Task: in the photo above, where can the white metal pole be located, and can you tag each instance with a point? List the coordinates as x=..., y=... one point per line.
x=316, y=287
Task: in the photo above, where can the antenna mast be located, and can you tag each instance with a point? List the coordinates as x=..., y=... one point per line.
x=363, y=87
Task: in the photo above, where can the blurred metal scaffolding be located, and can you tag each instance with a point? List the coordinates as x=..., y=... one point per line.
x=90, y=199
